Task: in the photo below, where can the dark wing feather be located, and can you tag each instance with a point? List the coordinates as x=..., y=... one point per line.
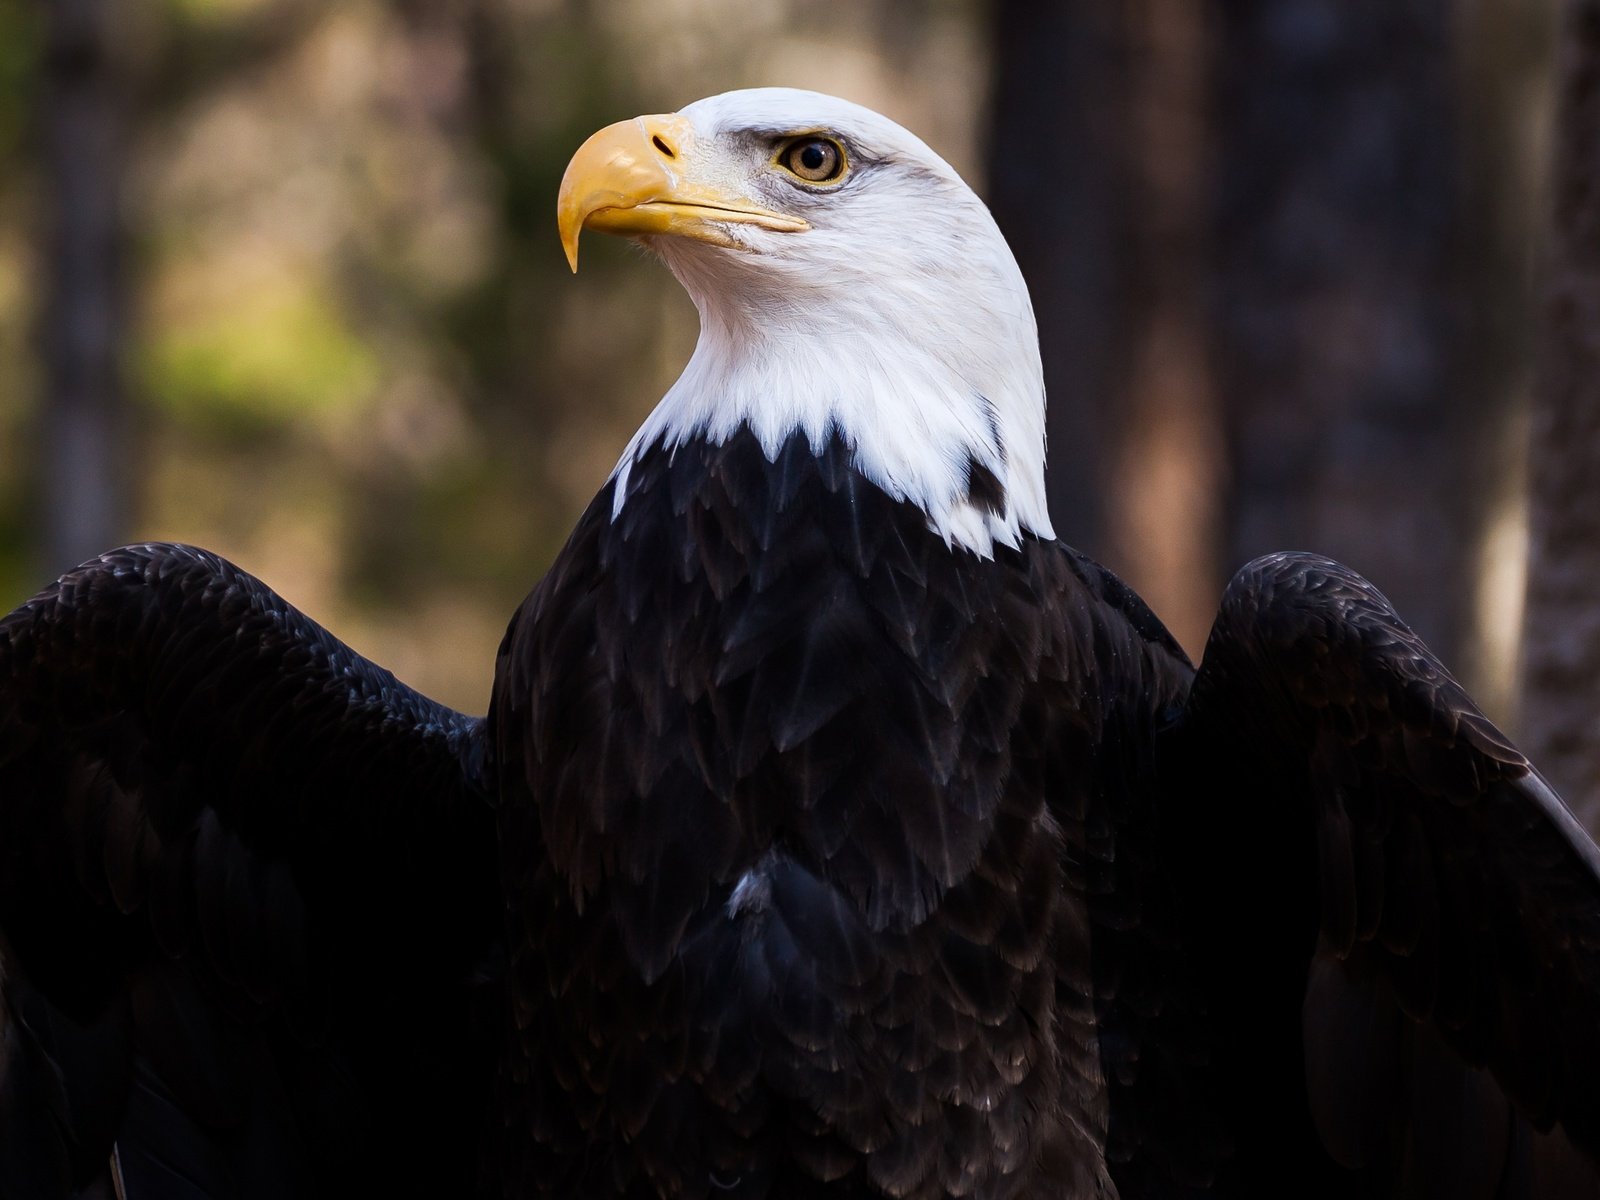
x=248, y=898
x=1342, y=805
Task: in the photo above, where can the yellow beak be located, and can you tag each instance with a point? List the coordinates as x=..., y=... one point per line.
x=645, y=176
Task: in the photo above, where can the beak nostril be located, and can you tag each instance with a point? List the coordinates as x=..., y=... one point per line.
x=660, y=144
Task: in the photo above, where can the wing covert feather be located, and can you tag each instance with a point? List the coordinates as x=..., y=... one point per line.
x=1362, y=812
x=240, y=867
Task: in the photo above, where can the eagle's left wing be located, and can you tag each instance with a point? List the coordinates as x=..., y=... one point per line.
x=1399, y=919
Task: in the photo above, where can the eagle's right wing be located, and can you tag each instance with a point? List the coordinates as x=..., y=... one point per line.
x=248, y=899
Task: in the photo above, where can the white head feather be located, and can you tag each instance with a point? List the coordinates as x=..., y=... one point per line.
x=899, y=317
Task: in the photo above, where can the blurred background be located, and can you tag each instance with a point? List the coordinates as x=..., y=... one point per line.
x=281, y=278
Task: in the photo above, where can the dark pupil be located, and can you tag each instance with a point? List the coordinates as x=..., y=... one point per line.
x=813, y=156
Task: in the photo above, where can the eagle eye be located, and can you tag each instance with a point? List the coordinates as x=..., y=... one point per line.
x=813, y=159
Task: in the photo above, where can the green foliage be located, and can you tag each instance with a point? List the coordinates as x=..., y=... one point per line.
x=21, y=33
x=278, y=356
x=203, y=12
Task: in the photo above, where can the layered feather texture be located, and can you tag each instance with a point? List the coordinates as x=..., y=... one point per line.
x=247, y=897
x=827, y=817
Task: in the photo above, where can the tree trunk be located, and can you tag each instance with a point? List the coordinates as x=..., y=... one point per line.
x=1335, y=238
x=1059, y=186
x=81, y=112
x=1165, y=508
x=1098, y=143
x=1560, y=715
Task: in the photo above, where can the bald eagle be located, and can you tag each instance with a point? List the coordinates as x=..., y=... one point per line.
x=834, y=829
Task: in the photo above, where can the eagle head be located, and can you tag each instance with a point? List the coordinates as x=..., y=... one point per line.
x=847, y=280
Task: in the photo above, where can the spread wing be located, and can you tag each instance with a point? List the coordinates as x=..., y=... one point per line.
x=248, y=899
x=1401, y=919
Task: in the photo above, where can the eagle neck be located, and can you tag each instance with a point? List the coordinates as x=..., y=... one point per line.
x=947, y=416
